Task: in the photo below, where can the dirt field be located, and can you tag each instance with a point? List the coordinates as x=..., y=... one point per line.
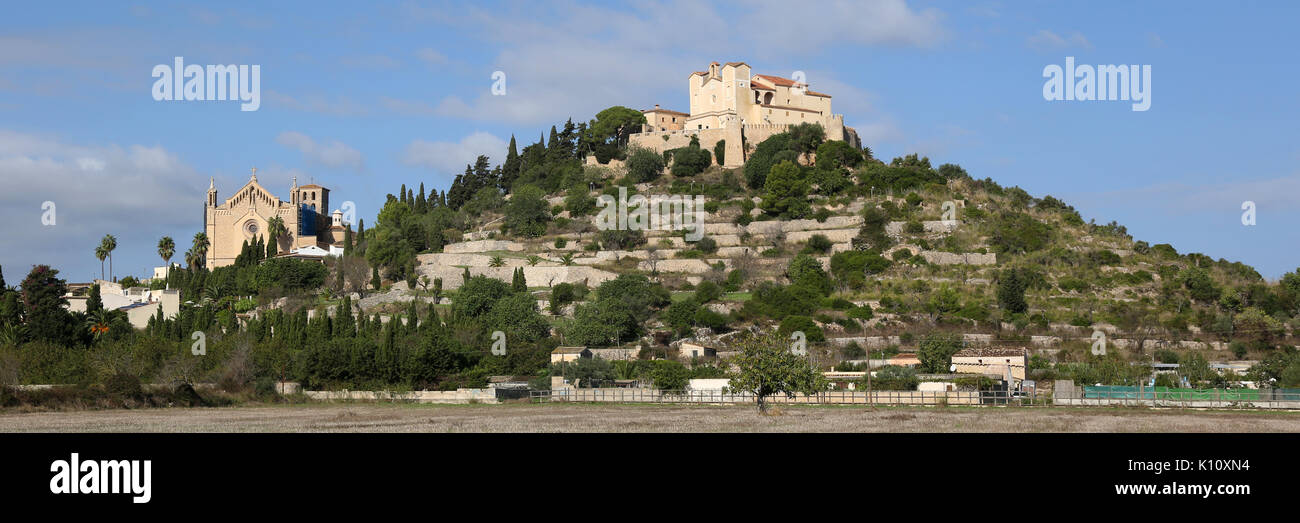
x=640, y=418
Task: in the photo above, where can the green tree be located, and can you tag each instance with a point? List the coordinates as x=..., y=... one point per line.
x=786, y=191
x=44, y=306
x=518, y=283
x=670, y=375
x=767, y=367
x=200, y=250
x=806, y=271
x=527, y=212
x=166, y=249
x=94, y=302
x=644, y=165
x=109, y=243
x=935, y=352
x=1011, y=291
x=615, y=123
x=101, y=253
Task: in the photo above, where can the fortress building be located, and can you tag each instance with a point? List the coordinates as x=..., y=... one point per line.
x=729, y=102
x=244, y=217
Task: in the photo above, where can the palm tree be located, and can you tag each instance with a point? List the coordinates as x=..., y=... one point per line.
x=201, y=245
x=496, y=261
x=97, y=322
x=101, y=253
x=567, y=259
x=275, y=228
x=167, y=248
x=533, y=260
x=109, y=243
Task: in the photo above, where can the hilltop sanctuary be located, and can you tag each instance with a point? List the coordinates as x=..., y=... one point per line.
x=730, y=103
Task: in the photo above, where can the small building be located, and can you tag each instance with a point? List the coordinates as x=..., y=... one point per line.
x=567, y=354
x=690, y=350
x=844, y=380
x=715, y=385
x=658, y=119
x=626, y=352
x=995, y=362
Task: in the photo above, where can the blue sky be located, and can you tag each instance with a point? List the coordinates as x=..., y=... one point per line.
x=362, y=98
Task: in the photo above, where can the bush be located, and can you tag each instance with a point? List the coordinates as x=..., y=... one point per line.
x=644, y=165
x=690, y=161
x=707, y=291
x=124, y=384
x=819, y=243
x=804, y=324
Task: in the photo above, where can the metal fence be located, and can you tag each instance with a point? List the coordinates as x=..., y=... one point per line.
x=1117, y=395
x=840, y=397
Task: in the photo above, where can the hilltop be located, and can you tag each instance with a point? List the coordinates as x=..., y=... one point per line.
x=817, y=236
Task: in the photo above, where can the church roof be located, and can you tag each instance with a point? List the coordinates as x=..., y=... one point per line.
x=310, y=186
x=777, y=80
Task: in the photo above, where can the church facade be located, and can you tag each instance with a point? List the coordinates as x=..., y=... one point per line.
x=246, y=216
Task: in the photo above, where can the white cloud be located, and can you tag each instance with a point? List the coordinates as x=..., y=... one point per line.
x=137, y=193
x=337, y=106
x=372, y=61
x=1045, y=40
x=431, y=57
x=331, y=154
x=782, y=25
x=451, y=157
x=633, y=56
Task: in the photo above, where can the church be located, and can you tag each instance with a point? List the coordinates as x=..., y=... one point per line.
x=246, y=216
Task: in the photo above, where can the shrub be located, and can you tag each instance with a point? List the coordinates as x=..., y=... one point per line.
x=644, y=165
x=689, y=161
x=707, y=291
x=811, y=331
x=819, y=243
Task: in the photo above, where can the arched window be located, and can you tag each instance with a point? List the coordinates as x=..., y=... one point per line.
x=767, y=99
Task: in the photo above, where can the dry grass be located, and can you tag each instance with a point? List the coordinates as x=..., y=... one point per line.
x=520, y=417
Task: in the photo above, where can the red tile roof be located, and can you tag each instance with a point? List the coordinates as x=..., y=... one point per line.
x=777, y=80
x=665, y=111
x=814, y=93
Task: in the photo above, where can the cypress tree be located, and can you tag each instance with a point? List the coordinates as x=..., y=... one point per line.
x=419, y=200
x=465, y=277
x=374, y=278
x=518, y=284
x=510, y=170
x=401, y=195
x=361, y=237
x=94, y=303
x=2, y=280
